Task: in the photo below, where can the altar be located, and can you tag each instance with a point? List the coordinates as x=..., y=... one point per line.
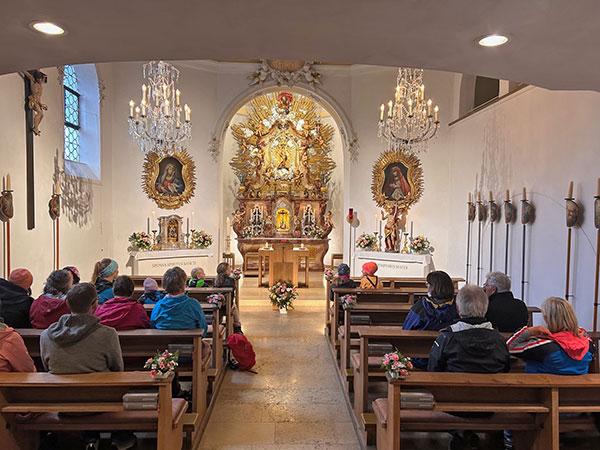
x=157, y=262
x=394, y=264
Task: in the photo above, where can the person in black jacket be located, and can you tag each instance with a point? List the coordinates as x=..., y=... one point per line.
x=469, y=345
x=505, y=312
x=15, y=298
x=224, y=279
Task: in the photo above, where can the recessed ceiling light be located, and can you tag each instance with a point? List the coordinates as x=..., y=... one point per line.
x=493, y=40
x=47, y=28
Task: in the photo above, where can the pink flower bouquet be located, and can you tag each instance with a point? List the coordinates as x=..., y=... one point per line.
x=216, y=299
x=348, y=301
x=396, y=364
x=161, y=364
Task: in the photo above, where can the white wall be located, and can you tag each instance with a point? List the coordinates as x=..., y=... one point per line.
x=81, y=233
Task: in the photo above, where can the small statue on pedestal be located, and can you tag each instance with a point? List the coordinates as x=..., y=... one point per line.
x=395, y=220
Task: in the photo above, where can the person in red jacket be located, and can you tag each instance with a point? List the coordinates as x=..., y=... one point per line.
x=123, y=312
x=14, y=356
x=52, y=304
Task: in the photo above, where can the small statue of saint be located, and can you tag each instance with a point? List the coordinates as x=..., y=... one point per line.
x=392, y=225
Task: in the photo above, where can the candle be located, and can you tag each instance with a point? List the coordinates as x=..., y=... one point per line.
x=524, y=194
x=422, y=91
x=131, y=104
x=479, y=196
x=137, y=113
x=153, y=217
x=143, y=108
x=8, y=184
x=167, y=108
x=382, y=108
x=429, y=107
x=376, y=222
x=435, y=110
x=397, y=93
x=410, y=106
x=598, y=187
x=507, y=196
x=177, y=93
x=228, y=227
x=143, y=93
x=188, y=225
x=411, y=229
x=187, y=112
x=470, y=199
x=491, y=197
x=164, y=90
x=57, y=187
x=351, y=213
x=148, y=225
x=570, y=196
x=390, y=109
x=3, y=183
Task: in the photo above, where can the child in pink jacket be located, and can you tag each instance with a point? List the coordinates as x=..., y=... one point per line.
x=123, y=312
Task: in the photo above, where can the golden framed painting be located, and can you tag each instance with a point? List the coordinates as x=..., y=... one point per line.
x=397, y=180
x=169, y=180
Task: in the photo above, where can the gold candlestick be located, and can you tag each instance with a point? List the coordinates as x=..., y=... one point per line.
x=154, y=243
x=405, y=248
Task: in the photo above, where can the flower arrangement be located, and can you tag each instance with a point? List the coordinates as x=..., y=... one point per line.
x=283, y=295
x=201, y=239
x=313, y=231
x=236, y=274
x=216, y=299
x=249, y=232
x=141, y=240
x=329, y=274
x=348, y=301
x=366, y=241
x=161, y=364
x=396, y=364
x=419, y=244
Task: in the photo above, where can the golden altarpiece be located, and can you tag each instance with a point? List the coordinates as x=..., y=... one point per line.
x=283, y=166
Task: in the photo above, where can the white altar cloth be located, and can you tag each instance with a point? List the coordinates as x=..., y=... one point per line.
x=157, y=262
x=394, y=264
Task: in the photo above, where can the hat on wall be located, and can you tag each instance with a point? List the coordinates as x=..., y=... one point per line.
x=150, y=284
x=370, y=268
x=22, y=278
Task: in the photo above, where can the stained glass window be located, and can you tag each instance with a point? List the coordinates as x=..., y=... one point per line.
x=71, y=94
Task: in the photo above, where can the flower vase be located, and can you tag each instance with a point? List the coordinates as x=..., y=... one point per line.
x=283, y=310
x=396, y=375
x=161, y=375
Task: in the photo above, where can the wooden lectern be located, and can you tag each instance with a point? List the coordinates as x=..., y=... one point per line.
x=283, y=261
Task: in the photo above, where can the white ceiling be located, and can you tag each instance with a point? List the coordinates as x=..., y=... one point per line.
x=554, y=43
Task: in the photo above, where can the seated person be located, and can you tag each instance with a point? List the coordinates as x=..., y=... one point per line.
x=224, y=279
x=151, y=293
x=469, y=345
x=15, y=294
x=342, y=280
x=177, y=311
x=105, y=272
x=505, y=312
x=434, y=312
x=197, y=280
x=560, y=348
x=74, y=273
x=123, y=312
x=52, y=304
x=78, y=343
x=369, y=279
x=14, y=356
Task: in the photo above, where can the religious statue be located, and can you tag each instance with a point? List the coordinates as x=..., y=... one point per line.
x=327, y=224
x=34, y=101
x=54, y=207
x=392, y=225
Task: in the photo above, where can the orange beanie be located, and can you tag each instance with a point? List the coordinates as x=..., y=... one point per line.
x=370, y=267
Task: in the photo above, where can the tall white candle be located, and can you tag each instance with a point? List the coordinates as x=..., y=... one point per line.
x=148, y=225
x=411, y=229
x=228, y=227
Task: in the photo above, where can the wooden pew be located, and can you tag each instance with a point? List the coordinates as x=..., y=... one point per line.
x=138, y=345
x=527, y=404
x=86, y=393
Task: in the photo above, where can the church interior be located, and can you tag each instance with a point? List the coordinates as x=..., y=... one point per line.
x=303, y=225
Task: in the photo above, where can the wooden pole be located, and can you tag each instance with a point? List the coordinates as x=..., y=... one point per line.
x=4, y=274
x=523, y=281
x=468, y=268
x=479, y=238
x=569, y=235
x=8, y=247
x=597, y=224
x=506, y=245
x=57, y=243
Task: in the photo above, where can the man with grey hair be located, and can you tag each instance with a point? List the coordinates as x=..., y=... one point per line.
x=469, y=345
x=505, y=312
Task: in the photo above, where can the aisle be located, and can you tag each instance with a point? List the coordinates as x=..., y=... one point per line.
x=295, y=402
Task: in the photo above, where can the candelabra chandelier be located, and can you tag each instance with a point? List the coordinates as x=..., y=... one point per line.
x=156, y=123
x=410, y=121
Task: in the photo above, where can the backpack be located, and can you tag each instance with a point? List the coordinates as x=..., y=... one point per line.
x=242, y=351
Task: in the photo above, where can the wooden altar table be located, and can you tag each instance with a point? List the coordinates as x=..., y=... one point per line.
x=283, y=263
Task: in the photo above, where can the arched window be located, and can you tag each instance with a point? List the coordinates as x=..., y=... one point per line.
x=72, y=114
x=81, y=121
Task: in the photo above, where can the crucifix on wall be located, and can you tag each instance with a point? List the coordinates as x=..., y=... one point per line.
x=34, y=113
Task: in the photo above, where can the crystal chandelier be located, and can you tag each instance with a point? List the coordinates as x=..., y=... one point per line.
x=157, y=124
x=410, y=121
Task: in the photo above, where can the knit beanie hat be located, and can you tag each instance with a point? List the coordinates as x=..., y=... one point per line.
x=343, y=270
x=75, y=272
x=370, y=268
x=22, y=278
x=150, y=284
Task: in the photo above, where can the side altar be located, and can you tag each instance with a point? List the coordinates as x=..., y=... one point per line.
x=283, y=165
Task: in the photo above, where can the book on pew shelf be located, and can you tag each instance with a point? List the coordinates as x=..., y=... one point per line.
x=140, y=405
x=140, y=397
x=184, y=349
x=416, y=400
x=380, y=349
x=360, y=319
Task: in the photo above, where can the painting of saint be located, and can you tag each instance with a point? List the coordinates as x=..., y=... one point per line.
x=396, y=186
x=169, y=180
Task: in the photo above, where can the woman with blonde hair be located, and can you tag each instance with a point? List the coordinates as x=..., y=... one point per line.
x=560, y=348
x=105, y=272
